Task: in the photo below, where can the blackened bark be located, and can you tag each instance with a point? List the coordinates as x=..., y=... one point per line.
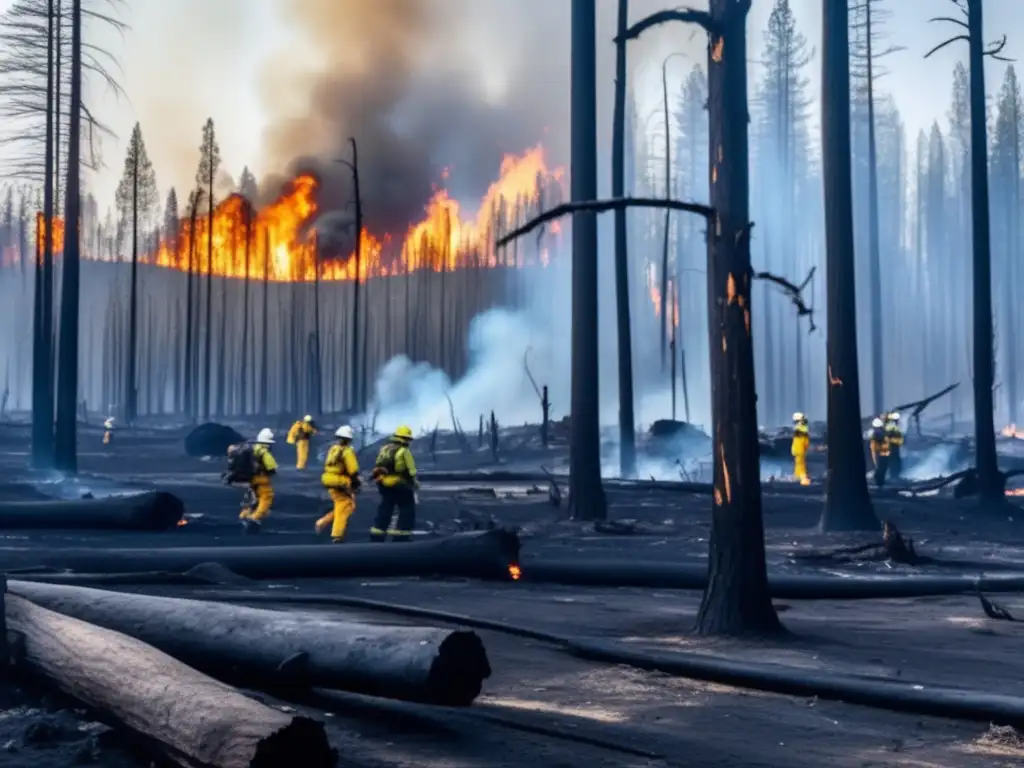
x=875, y=256
x=587, y=500
x=736, y=600
x=627, y=429
x=130, y=386
x=190, y=334
x=847, y=504
x=356, y=396
x=209, y=297
x=65, y=437
x=264, y=343
x=991, y=483
x=243, y=367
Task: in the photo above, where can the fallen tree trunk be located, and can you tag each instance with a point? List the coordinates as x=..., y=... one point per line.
x=257, y=647
x=664, y=575
x=478, y=555
x=193, y=719
x=153, y=511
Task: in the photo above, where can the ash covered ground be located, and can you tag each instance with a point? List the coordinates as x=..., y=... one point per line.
x=541, y=707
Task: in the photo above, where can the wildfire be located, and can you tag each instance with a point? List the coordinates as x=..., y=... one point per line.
x=515, y=572
x=654, y=291
x=1015, y=491
x=57, y=230
x=1011, y=431
x=282, y=246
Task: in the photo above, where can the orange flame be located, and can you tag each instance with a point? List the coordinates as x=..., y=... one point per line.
x=182, y=523
x=57, y=230
x=515, y=572
x=443, y=240
x=654, y=291
x=1011, y=431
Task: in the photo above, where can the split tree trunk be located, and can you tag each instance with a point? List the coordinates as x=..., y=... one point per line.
x=196, y=720
x=847, y=503
x=736, y=600
x=153, y=511
x=253, y=646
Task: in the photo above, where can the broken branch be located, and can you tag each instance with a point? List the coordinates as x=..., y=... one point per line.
x=794, y=292
x=526, y=366
x=940, y=46
x=601, y=206
x=686, y=15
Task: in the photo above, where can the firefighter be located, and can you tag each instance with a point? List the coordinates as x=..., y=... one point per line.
x=341, y=479
x=801, y=445
x=264, y=467
x=299, y=436
x=108, y=431
x=879, y=451
x=894, y=435
x=395, y=475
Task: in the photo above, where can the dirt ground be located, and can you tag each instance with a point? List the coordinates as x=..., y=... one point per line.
x=542, y=707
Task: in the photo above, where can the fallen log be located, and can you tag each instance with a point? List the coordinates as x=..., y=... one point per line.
x=256, y=647
x=505, y=476
x=666, y=575
x=193, y=719
x=477, y=555
x=152, y=511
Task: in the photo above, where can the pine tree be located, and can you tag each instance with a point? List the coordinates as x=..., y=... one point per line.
x=171, y=222
x=209, y=163
x=135, y=199
x=959, y=157
x=247, y=185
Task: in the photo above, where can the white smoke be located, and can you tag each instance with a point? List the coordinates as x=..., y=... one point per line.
x=417, y=394
x=939, y=461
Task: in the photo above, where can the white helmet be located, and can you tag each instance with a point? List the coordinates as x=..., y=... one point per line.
x=876, y=423
x=266, y=436
x=894, y=416
x=344, y=432
x=798, y=416
x=307, y=418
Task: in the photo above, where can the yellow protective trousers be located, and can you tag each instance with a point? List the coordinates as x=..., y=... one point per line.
x=108, y=436
x=264, y=493
x=800, y=470
x=301, y=453
x=344, y=505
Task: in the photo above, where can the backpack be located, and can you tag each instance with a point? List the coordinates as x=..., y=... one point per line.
x=242, y=463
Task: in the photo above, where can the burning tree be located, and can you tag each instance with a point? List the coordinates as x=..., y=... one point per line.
x=209, y=162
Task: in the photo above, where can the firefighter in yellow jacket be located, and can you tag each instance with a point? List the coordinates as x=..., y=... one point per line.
x=341, y=479
x=265, y=466
x=894, y=436
x=108, y=431
x=299, y=436
x=395, y=475
x=801, y=445
x=879, y=451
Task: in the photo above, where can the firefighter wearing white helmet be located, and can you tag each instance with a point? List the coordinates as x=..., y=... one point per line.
x=894, y=435
x=341, y=479
x=263, y=468
x=299, y=436
x=879, y=443
x=108, y=431
x=801, y=446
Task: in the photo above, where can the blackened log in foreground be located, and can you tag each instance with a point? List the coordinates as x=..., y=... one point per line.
x=258, y=648
x=193, y=720
x=479, y=555
x=153, y=511
x=664, y=575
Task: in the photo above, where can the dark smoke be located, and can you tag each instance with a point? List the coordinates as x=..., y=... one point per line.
x=409, y=80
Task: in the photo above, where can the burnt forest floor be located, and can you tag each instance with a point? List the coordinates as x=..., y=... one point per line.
x=541, y=707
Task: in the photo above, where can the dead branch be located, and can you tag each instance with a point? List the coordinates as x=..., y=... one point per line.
x=995, y=610
x=459, y=434
x=602, y=206
x=533, y=382
x=685, y=15
x=554, y=492
x=942, y=45
x=893, y=547
x=918, y=406
x=794, y=292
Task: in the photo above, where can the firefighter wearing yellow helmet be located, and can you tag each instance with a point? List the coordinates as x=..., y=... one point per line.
x=299, y=436
x=395, y=475
x=801, y=445
x=894, y=436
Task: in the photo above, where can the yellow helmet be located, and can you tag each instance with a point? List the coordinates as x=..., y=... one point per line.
x=403, y=433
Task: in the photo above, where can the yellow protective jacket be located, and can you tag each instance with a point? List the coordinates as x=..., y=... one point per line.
x=879, y=444
x=801, y=441
x=894, y=435
x=266, y=464
x=301, y=430
x=341, y=468
x=395, y=466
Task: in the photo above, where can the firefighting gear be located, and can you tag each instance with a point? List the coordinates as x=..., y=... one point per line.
x=403, y=433
x=299, y=436
x=879, y=444
x=801, y=445
x=260, y=484
x=395, y=465
x=400, y=497
x=344, y=432
x=341, y=479
x=108, y=431
x=266, y=437
x=894, y=437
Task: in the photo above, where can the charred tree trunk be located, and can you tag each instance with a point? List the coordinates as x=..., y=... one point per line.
x=991, y=482
x=847, y=504
x=1010, y=284
x=130, y=386
x=190, y=334
x=207, y=348
x=587, y=500
x=736, y=600
x=243, y=367
x=627, y=427
x=65, y=449
x=875, y=257
x=264, y=361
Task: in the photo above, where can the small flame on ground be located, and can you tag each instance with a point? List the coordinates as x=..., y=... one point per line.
x=515, y=572
x=1015, y=491
x=1010, y=430
x=182, y=522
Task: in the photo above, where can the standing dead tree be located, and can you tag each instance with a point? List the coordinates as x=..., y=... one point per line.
x=991, y=482
x=542, y=393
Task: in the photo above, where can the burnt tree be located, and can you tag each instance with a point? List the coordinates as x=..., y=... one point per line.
x=847, y=503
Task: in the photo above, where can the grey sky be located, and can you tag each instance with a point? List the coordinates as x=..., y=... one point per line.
x=186, y=60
